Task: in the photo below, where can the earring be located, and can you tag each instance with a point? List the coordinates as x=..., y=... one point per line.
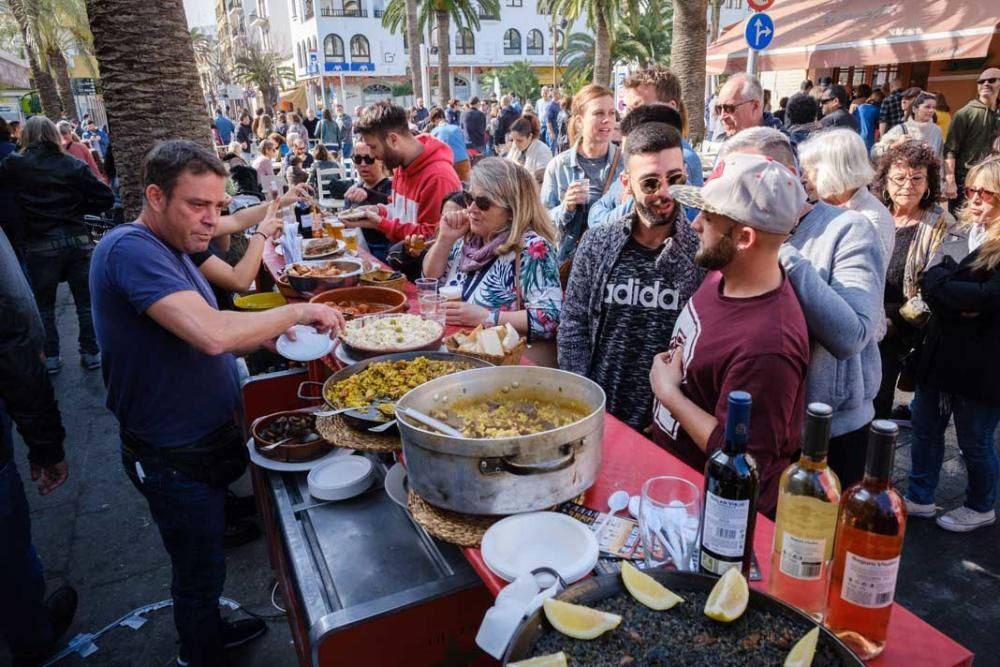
x=927, y=195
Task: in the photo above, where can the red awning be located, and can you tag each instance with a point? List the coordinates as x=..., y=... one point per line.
x=836, y=33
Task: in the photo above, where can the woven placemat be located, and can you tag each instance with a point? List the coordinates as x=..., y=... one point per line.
x=464, y=530
x=334, y=429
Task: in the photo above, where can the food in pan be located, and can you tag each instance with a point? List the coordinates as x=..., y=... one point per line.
x=382, y=276
x=322, y=270
x=391, y=332
x=352, y=308
x=320, y=247
x=509, y=413
x=387, y=381
x=298, y=426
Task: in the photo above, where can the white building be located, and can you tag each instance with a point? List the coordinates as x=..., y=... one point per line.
x=341, y=50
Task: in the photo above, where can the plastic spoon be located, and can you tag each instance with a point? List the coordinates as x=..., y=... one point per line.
x=617, y=501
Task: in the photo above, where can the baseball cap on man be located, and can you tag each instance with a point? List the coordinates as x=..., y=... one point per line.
x=752, y=189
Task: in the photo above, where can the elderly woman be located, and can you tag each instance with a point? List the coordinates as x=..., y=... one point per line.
x=578, y=177
x=837, y=170
x=959, y=369
x=909, y=183
x=919, y=125
x=528, y=150
x=500, y=251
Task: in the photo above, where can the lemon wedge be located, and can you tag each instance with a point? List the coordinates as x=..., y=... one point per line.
x=551, y=660
x=577, y=621
x=729, y=597
x=804, y=650
x=647, y=590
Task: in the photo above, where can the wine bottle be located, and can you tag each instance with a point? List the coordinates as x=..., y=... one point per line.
x=806, y=520
x=867, y=551
x=731, y=485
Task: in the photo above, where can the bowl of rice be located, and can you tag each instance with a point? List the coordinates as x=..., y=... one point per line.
x=375, y=335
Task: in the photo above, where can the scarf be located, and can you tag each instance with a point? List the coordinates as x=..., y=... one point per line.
x=477, y=253
x=931, y=232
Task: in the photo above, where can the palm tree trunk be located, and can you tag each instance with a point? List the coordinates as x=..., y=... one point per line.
x=444, y=67
x=413, y=40
x=602, y=49
x=59, y=68
x=44, y=85
x=147, y=99
x=687, y=60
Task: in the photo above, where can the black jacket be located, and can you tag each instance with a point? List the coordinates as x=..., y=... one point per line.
x=53, y=189
x=839, y=118
x=959, y=354
x=24, y=385
x=507, y=117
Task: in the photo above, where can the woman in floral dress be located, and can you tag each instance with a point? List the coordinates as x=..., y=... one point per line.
x=501, y=252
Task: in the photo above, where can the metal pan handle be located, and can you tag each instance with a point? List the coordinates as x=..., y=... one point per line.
x=496, y=465
x=304, y=384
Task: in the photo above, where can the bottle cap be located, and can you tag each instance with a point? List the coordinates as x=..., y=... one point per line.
x=816, y=439
x=881, y=449
x=738, y=418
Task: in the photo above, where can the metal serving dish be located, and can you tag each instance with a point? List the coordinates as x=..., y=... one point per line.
x=594, y=591
x=366, y=418
x=352, y=268
x=503, y=475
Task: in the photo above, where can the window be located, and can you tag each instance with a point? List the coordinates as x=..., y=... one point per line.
x=557, y=43
x=352, y=8
x=434, y=42
x=515, y=3
x=465, y=42
x=333, y=49
x=511, y=42
x=300, y=59
x=360, y=51
x=536, y=43
x=734, y=4
x=406, y=43
x=307, y=10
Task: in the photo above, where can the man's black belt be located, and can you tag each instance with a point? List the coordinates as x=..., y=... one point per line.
x=60, y=243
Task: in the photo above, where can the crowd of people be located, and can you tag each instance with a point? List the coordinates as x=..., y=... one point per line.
x=834, y=253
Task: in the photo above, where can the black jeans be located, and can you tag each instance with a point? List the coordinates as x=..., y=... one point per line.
x=48, y=268
x=847, y=456
x=893, y=350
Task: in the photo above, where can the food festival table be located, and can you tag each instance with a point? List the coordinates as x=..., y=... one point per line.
x=629, y=458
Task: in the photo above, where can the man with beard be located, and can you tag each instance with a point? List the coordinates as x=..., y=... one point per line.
x=743, y=329
x=630, y=279
x=422, y=174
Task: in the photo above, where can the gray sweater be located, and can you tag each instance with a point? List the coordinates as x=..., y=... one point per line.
x=835, y=263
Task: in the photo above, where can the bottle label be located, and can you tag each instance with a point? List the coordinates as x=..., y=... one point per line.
x=725, y=530
x=306, y=221
x=717, y=565
x=802, y=558
x=869, y=582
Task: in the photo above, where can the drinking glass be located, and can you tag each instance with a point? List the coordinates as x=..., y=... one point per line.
x=351, y=240
x=425, y=286
x=669, y=516
x=430, y=305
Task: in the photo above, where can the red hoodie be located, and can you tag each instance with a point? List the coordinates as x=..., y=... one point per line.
x=418, y=190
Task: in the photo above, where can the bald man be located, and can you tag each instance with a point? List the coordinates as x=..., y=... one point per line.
x=972, y=130
x=740, y=105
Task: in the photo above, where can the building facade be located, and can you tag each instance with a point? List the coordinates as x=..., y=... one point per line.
x=342, y=52
x=242, y=24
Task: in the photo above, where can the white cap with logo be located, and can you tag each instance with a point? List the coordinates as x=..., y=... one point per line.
x=754, y=190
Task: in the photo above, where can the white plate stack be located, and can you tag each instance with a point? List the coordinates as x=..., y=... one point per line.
x=342, y=478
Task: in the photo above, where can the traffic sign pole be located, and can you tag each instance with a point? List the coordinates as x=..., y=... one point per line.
x=758, y=33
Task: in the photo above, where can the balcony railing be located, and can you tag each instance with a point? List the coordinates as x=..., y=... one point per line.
x=535, y=51
x=487, y=16
x=378, y=13
x=338, y=13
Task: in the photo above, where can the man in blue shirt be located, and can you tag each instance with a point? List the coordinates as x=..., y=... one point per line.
x=170, y=371
x=452, y=135
x=649, y=87
x=96, y=138
x=551, y=121
x=224, y=126
x=866, y=114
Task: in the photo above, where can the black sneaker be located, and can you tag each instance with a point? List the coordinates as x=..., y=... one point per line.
x=234, y=634
x=61, y=606
x=240, y=507
x=238, y=533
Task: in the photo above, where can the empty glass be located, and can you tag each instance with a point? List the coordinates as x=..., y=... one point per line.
x=425, y=287
x=669, y=515
x=431, y=305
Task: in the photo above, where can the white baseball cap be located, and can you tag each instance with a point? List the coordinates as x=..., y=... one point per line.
x=754, y=190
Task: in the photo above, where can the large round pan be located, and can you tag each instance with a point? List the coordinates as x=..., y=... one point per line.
x=364, y=418
x=592, y=591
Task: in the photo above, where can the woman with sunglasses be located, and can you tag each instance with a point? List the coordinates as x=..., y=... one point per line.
x=908, y=183
x=372, y=186
x=918, y=126
x=501, y=252
x=959, y=370
x=578, y=177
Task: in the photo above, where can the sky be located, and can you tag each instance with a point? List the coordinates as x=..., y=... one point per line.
x=199, y=12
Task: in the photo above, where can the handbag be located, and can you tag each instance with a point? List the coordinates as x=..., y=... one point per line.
x=916, y=312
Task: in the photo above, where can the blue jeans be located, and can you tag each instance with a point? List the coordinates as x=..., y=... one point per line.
x=346, y=149
x=191, y=518
x=24, y=622
x=46, y=270
x=975, y=426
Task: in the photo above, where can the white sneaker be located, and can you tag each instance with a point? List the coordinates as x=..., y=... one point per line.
x=962, y=519
x=922, y=511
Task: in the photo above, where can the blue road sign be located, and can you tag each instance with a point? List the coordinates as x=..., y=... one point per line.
x=759, y=31
x=362, y=67
x=337, y=67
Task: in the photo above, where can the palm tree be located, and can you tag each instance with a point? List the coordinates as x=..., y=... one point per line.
x=44, y=84
x=465, y=14
x=151, y=93
x=599, y=15
x=687, y=58
x=263, y=69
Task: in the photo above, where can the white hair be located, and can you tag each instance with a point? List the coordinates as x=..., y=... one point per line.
x=64, y=127
x=767, y=141
x=750, y=88
x=836, y=161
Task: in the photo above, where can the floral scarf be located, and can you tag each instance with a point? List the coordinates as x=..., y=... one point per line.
x=477, y=253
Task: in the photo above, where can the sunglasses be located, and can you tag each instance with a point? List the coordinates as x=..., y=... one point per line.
x=482, y=202
x=730, y=108
x=827, y=100
x=650, y=185
x=990, y=80
x=987, y=196
x=367, y=159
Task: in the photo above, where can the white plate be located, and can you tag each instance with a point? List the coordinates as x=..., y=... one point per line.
x=339, y=248
x=299, y=466
x=341, y=478
x=396, y=485
x=308, y=345
x=523, y=542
